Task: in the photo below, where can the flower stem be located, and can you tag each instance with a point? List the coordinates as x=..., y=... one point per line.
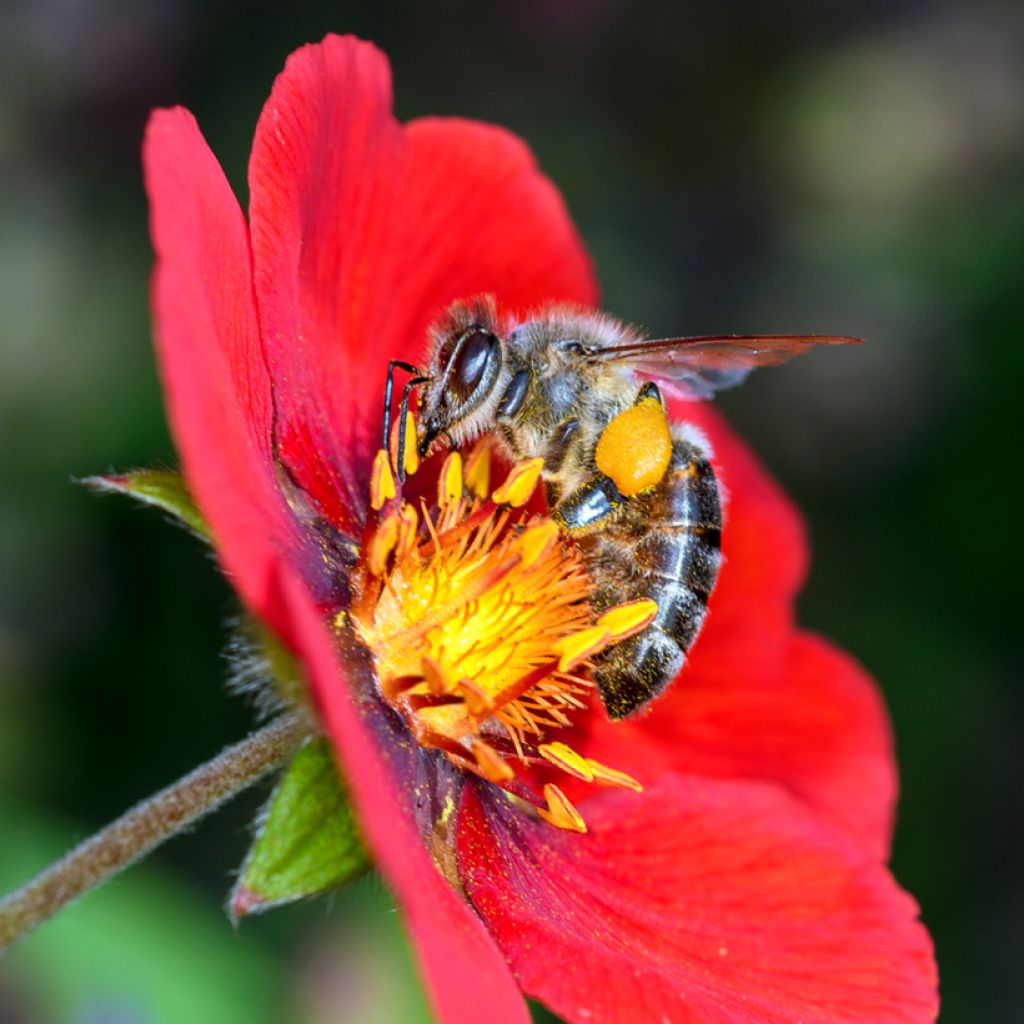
x=147, y=825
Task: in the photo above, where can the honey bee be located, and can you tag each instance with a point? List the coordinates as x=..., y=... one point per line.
x=635, y=492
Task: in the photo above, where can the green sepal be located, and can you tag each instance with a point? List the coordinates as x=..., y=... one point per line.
x=163, y=488
x=307, y=843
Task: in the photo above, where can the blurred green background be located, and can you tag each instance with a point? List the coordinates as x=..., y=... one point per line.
x=848, y=167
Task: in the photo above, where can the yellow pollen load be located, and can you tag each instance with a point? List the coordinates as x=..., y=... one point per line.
x=636, y=448
x=478, y=618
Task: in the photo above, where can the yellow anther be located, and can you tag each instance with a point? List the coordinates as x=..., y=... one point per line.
x=439, y=682
x=478, y=468
x=492, y=765
x=449, y=483
x=612, y=777
x=636, y=447
x=477, y=700
x=626, y=619
x=560, y=812
x=408, y=526
x=382, y=481
x=382, y=544
x=535, y=541
x=412, y=459
x=575, y=649
x=564, y=757
x=519, y=484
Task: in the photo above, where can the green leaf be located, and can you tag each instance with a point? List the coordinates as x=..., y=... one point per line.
x=308, y=842
x=163, y=488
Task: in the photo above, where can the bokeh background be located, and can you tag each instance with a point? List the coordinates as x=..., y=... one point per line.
x=844, y=167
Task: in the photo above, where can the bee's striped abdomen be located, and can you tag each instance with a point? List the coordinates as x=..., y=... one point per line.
x=665, y=547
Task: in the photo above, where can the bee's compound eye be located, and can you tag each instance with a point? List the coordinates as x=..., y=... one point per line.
x=470, y=363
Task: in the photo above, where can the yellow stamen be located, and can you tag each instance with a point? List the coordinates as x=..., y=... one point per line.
x=536, y=541
x=439, y=683
x=383, y=543
x=478, y=468
x=479, y=703
x=626, y=619
x=580, y=647
x=449, y=483
x=382, y=481
x=491, y=763
x=612, y=777
x=560, y=812
x=412, y=459
x=519, y=484
x=408, y=526
x=477, y=617
x=564, y=757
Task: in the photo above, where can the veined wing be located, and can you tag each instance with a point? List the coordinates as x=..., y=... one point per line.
x=697, y=367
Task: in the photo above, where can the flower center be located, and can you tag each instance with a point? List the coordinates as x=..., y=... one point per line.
x=478, y=617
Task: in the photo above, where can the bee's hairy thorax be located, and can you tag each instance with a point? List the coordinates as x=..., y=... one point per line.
x=567, y=405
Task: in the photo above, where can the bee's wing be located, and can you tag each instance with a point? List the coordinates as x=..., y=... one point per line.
x=697, y=367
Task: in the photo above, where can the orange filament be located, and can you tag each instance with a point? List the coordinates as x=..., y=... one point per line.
x=479, y=621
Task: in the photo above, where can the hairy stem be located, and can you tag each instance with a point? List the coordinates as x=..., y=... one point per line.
x=147, y=825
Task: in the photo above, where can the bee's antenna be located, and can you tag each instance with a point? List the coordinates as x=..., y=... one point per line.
x=403, y=416
x=409, y=368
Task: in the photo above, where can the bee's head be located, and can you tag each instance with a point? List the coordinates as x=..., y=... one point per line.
x=464, y=374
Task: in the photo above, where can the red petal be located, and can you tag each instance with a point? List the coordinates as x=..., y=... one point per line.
x=811, y=720
x=215, y=380
x=700, y=902
x=364, y=232
x=463, y=968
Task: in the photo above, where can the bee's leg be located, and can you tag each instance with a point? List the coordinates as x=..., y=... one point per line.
x=386, y=416
x=591, y=504
x=403, y=416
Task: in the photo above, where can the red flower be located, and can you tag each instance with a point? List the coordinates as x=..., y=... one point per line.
x=746, y=882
